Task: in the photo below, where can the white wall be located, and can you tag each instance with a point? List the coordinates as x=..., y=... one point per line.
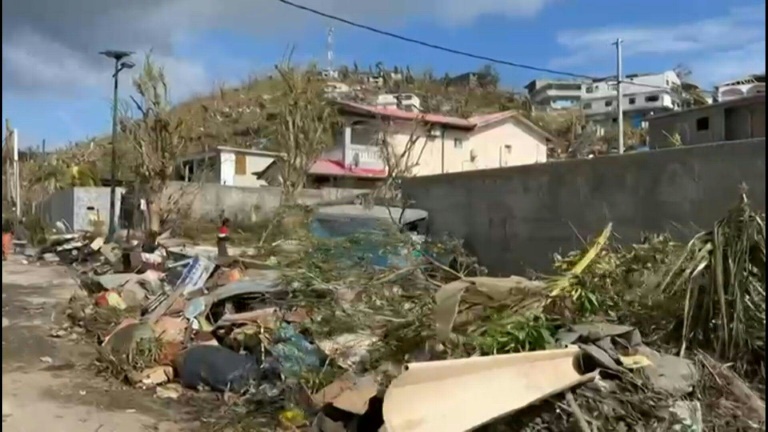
x=227, y=172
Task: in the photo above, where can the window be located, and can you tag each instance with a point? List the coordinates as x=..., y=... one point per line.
x=508, y=148
x=458, y=143
x=608, y=103
x=702, y=124
x=652, y=98
x=240, y=164
x=587, y=105
x=590, y=89
x=632, y=101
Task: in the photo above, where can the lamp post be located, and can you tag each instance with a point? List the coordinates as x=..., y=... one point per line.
x=120, y=64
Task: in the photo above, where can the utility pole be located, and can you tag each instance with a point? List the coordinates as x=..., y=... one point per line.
x=16, y=176
x=619, y=96
x=121, y=63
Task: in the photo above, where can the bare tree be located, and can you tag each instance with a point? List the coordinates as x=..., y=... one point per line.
x=155, y=136
x=400, y=159
x=300, y=124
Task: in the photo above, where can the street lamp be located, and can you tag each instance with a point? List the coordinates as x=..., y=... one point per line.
x=120, y=64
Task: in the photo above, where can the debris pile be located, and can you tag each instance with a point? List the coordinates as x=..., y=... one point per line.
x=357, y=327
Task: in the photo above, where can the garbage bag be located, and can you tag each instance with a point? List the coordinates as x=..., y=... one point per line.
x=219, y=368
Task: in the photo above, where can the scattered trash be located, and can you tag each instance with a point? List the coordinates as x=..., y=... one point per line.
x=168, y=391
x=112, y=299
x=348, y=393
x=355, y=325
x=152, y=377
x=294, y=353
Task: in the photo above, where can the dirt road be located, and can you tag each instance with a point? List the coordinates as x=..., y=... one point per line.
x=47, y=383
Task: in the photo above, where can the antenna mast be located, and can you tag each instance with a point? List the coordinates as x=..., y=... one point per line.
x=330, y=48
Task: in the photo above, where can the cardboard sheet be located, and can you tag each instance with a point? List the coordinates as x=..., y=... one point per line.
x=463, y=394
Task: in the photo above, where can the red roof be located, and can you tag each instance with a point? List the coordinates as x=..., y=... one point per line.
x=337, y=169
x=457, y=122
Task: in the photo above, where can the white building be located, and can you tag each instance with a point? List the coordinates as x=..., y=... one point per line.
x=749, y=86
x=405, y=101
x=556, y=94
x=226, y=166
x=643, y=95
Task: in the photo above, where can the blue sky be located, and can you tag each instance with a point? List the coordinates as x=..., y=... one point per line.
x=57, y=88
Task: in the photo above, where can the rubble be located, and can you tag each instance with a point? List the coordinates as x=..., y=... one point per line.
x=375, y=328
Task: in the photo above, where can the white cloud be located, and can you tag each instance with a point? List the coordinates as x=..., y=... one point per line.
x=51, y=46
x=704, y=45
x=730, y=64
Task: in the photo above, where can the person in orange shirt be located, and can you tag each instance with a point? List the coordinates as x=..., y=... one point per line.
x=7, y=241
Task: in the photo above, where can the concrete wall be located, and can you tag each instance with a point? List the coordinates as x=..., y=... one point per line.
x=208, y=200
x=78, y=206
x=514, y=219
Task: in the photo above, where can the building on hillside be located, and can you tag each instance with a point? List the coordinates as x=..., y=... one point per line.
x=751, y=85
x=444, y=145
x=404, y=101
x=642, y=94
x=469, y=79
x=335, y=88
x=549, y=95
x=226, y=166
x=731, y=120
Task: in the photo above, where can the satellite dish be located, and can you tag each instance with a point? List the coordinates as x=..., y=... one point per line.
x=472, y=155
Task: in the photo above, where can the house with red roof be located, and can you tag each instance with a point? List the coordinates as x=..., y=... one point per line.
x=435, y=144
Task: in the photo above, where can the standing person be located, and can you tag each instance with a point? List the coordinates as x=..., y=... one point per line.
x=7, y=239
x=222, y=238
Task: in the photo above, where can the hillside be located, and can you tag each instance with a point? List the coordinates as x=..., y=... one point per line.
x=231, y=116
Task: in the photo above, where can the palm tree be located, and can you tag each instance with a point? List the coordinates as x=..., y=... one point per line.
x=58, y=174
x=690, y=93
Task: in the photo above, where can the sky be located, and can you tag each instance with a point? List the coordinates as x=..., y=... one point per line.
x=57, y=88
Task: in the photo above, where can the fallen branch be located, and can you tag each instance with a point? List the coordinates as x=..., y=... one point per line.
x=754, y=405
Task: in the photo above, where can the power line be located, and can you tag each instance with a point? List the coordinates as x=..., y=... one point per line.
x=434, y=46
x=460, y=52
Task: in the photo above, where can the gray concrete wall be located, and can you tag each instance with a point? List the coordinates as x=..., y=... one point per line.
x=71, y=205
x=205, y=201
x=208, y=200
x=514, y=219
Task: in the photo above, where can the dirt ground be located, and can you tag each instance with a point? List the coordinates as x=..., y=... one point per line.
x=48, y=383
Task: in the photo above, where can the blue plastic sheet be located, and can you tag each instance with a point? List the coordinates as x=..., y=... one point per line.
x=294, y=353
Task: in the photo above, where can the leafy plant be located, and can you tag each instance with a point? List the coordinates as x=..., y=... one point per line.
x=510, y=333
